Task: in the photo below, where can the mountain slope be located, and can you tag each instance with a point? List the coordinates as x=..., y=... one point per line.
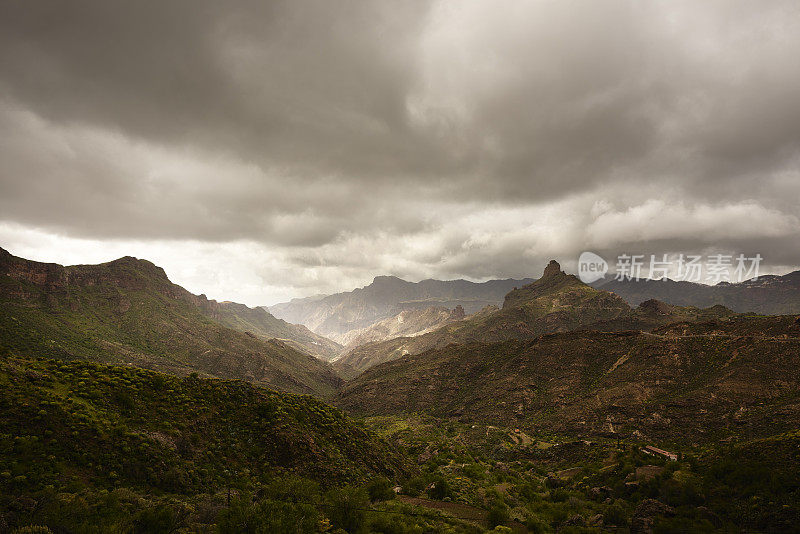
x=771, y=295
x=77, y=435
x=690, y=381
x=128, y=312
x=405, y=323
x=335, y=315
x=262, y=323
x=557, y=302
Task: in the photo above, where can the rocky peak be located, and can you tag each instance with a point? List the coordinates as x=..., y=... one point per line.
x=552, y=269
x=656, y=307
x=385, y=280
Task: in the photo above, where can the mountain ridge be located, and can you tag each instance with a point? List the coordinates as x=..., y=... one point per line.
x=769, y=294
x=335, y=315
x=127, y=312
x=556, y=302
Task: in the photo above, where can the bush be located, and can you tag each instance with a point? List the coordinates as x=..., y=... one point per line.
x=345, y=508
x=439, y=489
x=414, y=486
x=616, y=515
x=535, y=525
x=380, y=489
x=156, y=520
x=268, y=517
x=498, y=515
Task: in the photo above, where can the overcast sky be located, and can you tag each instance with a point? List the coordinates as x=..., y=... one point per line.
x=260, y=151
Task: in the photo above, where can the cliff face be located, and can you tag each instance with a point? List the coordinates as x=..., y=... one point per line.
x=132, y=274
x=127, y=273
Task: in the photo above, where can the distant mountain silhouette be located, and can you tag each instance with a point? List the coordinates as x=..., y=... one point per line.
x=770, y=295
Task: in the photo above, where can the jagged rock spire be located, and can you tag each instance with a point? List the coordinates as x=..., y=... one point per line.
x=552, y=269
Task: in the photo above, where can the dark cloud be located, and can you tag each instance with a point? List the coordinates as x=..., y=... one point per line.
x=417, y=138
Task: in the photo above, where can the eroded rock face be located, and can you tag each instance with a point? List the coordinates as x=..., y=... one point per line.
x=553, y=269
x=127, y=273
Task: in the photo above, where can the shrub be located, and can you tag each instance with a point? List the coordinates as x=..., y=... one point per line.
x=345, y=508
x=439, y=488
x=156, y=520
x=380, y=489
x=536, y=525
x=616, y=515
x=414, y=486
x=498, y=515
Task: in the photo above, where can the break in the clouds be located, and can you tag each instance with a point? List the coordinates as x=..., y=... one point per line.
x=263, y=150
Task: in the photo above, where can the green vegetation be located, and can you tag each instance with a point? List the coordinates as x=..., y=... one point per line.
x=103, y=442
x=261, y=323
x=582, y=486
x=531, y=433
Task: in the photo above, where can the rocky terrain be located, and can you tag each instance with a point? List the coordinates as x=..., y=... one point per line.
x=405, y=323
x=711, y=381
x=536, y=416
x=263, y=324
x=557, y=302
x=409, y=323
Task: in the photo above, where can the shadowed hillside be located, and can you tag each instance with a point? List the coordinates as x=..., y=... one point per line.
x=698, y=382
x=71, y=432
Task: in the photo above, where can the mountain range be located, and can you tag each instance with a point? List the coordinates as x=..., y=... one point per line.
x=770, y=294
x=335, y=316
x=557, y=302
x=538, y=411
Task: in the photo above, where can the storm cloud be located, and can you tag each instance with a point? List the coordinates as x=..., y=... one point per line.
x=263, y=150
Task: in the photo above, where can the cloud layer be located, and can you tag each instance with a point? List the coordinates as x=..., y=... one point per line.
x=306, y=146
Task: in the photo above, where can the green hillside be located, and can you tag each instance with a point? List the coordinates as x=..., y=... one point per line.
x=71, y=432
x=127, y=312
x=262, y=323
